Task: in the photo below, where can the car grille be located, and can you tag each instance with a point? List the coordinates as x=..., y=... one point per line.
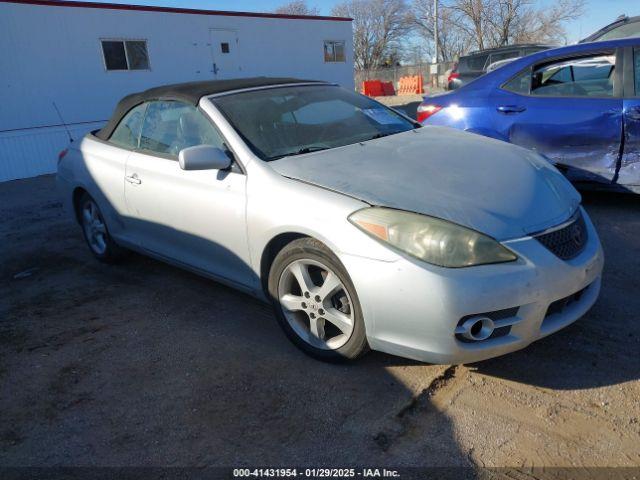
x=559, y=305
x=566, y=242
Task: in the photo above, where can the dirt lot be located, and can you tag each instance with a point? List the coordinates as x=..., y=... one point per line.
x=144, y=364
x=407, y=103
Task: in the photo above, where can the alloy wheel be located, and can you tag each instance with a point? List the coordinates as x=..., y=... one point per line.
x=316, y=304
x=94, y=227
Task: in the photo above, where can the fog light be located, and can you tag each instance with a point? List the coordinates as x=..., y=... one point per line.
x=477, y=328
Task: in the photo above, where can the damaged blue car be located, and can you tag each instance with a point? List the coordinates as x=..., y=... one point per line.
x=578, y=105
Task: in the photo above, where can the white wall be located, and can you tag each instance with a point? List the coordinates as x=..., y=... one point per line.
x=53, y=54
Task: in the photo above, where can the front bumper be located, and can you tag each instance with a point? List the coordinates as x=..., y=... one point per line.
x=412, y=309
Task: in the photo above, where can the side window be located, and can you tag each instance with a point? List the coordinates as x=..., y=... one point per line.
x=590, y=76
x=171, y=126
x=520, y=83
x=472, y=63
x=496, y=57
x=125, y=54
x=127, y=133
x=636, y=62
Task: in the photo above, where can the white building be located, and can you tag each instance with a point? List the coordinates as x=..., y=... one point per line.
x=70, y=62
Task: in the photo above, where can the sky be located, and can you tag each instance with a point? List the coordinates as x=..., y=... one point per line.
x=598, y=14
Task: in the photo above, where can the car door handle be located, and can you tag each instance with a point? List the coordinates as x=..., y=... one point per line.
x=133, y=179
x=511, y=109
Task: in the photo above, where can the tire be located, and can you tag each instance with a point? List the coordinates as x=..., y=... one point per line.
x=316, y=303
x=95, y=232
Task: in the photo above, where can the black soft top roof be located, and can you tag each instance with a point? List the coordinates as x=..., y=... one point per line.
x=190, y=92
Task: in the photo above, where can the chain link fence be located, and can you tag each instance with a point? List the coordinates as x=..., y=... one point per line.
x=392, y=74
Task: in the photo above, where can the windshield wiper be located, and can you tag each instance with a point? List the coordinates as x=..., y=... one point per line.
x=299, y=152
x=309, y=150
x=380, y=135
x=385, y=134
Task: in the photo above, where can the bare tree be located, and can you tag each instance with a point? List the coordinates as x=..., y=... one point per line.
x=545, y=25
x=481, y=24
x=518, y=21
x=452, y=40
x=297, y=7
x=471, y=14
x=378, y=28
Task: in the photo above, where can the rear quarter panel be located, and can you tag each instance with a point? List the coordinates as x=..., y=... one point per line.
x=469, y=110
x=98, y=168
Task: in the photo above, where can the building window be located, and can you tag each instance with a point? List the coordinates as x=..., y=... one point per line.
x=125, y=54
x=333, y=51
x=224, y=47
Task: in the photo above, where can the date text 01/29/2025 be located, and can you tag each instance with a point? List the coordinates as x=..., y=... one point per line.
x=314, y=473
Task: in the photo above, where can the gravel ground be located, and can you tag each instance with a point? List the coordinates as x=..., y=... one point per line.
x=144, y=364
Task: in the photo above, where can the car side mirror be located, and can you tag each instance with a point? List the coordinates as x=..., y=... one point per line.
x=203, y=157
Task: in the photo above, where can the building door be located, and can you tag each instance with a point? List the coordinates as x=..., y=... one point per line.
x=224, y=53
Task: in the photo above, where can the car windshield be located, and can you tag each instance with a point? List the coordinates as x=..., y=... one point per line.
x=285, y=121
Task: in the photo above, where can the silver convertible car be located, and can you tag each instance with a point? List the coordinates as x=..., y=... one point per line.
x=362, y=228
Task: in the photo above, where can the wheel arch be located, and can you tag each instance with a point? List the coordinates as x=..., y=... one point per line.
x=270, y=252
x=77, y=194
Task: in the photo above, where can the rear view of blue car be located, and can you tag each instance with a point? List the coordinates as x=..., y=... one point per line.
x=578, y=105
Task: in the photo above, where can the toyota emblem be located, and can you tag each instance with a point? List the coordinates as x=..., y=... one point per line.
x=576, y=235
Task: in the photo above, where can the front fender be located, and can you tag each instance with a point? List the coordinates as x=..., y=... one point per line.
x=277, y=205
x=487, y=132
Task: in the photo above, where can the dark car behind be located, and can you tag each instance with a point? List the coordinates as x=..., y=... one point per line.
x=475, y=64
x=622, y=27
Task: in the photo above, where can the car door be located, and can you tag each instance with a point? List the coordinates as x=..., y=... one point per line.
x=569, y=109
x=629, y=173
x=196, y=218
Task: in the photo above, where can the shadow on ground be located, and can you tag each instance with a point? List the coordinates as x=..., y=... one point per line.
x=145, y=364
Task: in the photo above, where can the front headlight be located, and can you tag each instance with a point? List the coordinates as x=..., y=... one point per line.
x=430, y=239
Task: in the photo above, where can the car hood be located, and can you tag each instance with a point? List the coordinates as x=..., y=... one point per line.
x=490, y=186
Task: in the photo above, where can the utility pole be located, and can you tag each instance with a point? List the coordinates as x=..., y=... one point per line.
x=435, y=30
